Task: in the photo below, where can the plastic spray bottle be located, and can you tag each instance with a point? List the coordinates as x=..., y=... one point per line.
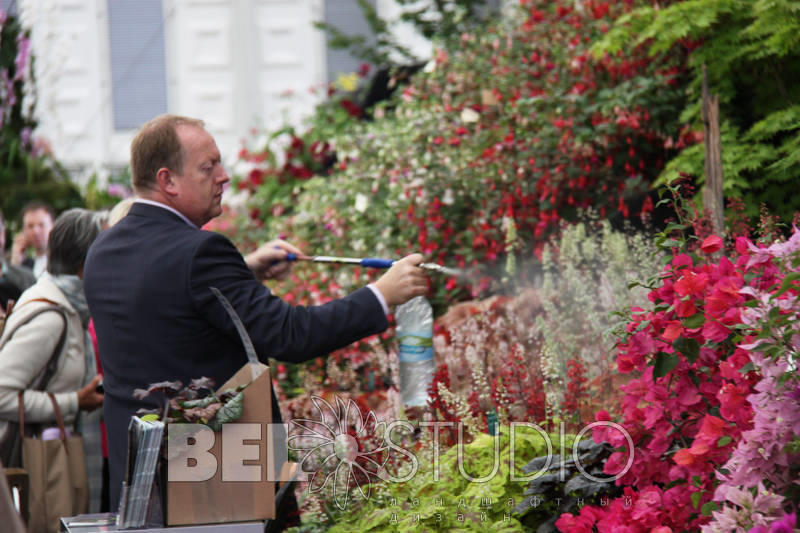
x=415, y=336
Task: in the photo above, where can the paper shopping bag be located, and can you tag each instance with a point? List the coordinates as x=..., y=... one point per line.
x=239, y=489
x=59, y=485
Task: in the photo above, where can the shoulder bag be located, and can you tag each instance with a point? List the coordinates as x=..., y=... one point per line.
x=59, y=484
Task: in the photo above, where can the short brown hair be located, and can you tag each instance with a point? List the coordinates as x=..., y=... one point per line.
x=37, y=205
x=155, y=146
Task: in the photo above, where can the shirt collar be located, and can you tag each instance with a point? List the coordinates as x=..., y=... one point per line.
x=165, y=206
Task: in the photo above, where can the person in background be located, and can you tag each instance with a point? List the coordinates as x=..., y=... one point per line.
x=32, y=335
x=13, y=279
x=37, y=221
x=119, y=211
x=149, y=280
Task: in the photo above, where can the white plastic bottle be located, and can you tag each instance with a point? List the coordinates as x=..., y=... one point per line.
x=415, y=337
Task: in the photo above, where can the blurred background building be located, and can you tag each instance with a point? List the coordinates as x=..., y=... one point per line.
x=104, y=67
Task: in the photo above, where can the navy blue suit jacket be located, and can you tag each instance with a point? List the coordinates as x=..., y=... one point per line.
x=147, y=282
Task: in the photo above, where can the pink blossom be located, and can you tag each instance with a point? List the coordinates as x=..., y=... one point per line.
x=711, y=244
x=23, y=54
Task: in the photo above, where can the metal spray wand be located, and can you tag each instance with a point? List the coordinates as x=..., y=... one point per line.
x=370, y=262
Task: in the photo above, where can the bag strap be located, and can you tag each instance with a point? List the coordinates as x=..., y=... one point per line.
x=50, y=368
x=59, y=419
x=52, y=364
x=21, y=409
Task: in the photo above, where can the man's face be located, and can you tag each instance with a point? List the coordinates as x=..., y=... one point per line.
x=199, y=188
x=37, y=225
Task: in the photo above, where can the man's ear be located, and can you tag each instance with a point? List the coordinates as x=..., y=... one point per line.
x=165, y=181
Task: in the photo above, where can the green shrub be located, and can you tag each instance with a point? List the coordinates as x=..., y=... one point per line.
x=751, y=50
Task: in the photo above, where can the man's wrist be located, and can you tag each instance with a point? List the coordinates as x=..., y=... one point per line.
x=380, y=297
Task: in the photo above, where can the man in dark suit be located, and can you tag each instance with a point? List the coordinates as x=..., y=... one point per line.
x=148, y=280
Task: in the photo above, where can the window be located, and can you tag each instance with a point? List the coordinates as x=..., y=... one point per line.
x=346, y=16
x=138, y=66
x=9, y=7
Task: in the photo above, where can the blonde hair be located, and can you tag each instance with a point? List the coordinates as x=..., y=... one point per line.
x=119, y=211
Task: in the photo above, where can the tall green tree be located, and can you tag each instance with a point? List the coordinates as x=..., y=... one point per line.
x=751, y=49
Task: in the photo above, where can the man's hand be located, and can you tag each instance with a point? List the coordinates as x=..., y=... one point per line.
x=403, y=281
x=269, y=261
x=18, y=248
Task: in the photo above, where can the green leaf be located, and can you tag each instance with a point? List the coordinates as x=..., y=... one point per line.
x=788, y=283
x=747, y=368
x=690, y=348
x=665, y=362
x=694, y=321
x=696, y=499
x=230, y=412
x=724, y=440
x=707, y=508
x=201, y=402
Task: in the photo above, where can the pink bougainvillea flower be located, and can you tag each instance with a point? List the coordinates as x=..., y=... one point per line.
x=691, y=284
x=685, y=308
x=711, y=244
x=672, y=331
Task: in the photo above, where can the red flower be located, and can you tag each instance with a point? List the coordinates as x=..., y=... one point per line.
x=672, y=331
x=256, y=177
x=711, y=244
x=352, y=109
x=685, y=308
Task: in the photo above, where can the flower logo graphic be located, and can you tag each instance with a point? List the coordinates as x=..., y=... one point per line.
x=342, y=445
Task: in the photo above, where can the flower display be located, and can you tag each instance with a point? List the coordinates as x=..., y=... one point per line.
x=712, y=413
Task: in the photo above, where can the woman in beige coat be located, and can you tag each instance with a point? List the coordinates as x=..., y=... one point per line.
x=33, y=334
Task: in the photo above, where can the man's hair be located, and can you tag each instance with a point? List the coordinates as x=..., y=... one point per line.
x=36, y=205
x=73, y=233
x=155, y=146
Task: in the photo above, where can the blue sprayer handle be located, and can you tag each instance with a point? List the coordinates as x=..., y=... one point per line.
x=375, y=262
x=369, y=262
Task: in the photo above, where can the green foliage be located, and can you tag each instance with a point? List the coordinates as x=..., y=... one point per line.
x=27, y=172
x=751, y=49
x=453, y=502
x=471, y=169
x=118, y=186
